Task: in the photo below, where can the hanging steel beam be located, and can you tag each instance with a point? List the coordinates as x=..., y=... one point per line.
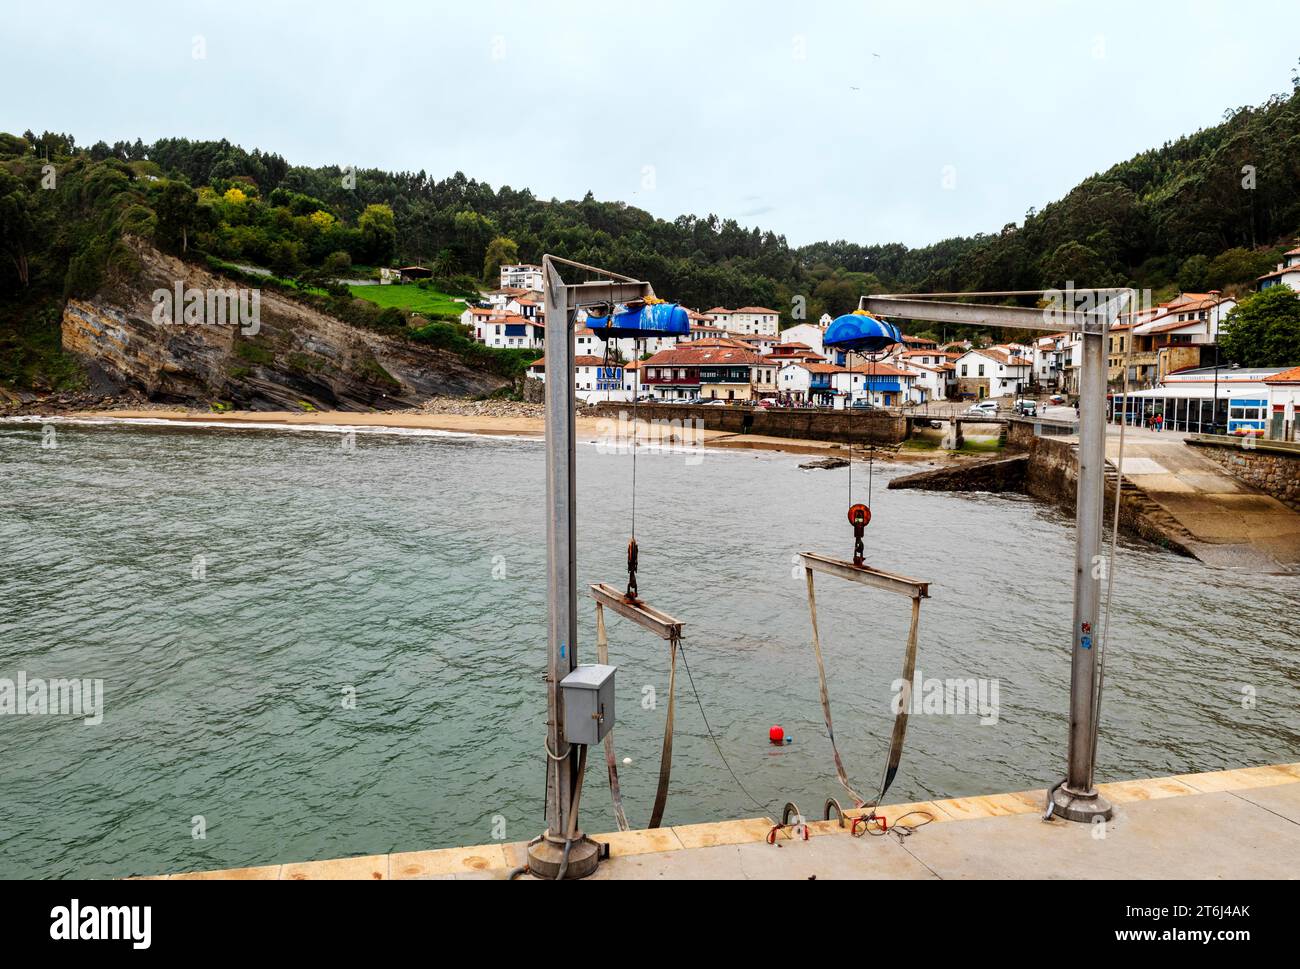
x=912, y=588
x=647, y=617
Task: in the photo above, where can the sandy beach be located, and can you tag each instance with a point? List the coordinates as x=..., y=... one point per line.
x=589, y=428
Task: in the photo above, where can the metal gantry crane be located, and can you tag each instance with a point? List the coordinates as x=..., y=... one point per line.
x=1076, y=797
x=563, y=851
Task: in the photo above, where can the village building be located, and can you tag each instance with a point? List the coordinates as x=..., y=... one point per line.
x=1173, y=339
x=748, y=320
x=593, y=379
x=1284, y=401
x=1211, y=400
x=878, y=384
x=523, y=276
x=992, y=372
x=760, y=343
x=1286, y=274
x=710, y=370
x=512, y=332
x=806, y=334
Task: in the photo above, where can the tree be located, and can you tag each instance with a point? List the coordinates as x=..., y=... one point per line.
x=1074, y=263
x=178, y=213
x=500, y=252
x=16, y=223
x=1193, y=274
x=1264, y=330
x=378, y=234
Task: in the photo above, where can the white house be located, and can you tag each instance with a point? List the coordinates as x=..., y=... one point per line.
x=934, y=380
x=880, y=384
x=992, y=372
x=1286, y=274
x=748, y=320
x=1049, y=359
x=523, y=276
x=512, y=332
x=593, y=381
x=809, y=334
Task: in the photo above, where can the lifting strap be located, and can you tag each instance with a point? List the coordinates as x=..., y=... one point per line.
x=668, y=628
x=909, y=669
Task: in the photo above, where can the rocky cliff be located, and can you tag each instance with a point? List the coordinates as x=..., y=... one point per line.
x=291, y=355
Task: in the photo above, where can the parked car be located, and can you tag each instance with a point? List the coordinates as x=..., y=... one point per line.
x=715, y=403
x=985, y=408
x=864, y=405
x=1026, y=408
x=1057, y=399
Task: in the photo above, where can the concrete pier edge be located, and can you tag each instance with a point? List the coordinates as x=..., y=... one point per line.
x=1264, y=798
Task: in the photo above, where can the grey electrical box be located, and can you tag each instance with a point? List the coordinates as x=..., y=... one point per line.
x=588, y=704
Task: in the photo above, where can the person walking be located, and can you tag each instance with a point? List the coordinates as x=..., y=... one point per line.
x=1160, y=423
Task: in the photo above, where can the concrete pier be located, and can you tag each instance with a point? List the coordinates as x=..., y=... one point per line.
x=1226, y=824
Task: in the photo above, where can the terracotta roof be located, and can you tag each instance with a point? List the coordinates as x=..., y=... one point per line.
x=720, y=341
x=1284, y=271
x=823, y=368
x=719, y=310
x=1291, y=376
x=1003, y=356
x=578, y=361
x=791, y=346
x=756, y=309
x=702, y=352
x=880, y=370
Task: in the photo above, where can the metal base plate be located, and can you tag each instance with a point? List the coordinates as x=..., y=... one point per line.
x=546, y=856
x=1086, y=807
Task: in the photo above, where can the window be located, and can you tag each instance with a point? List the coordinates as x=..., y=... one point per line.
x=981, y=370
x=963, y=370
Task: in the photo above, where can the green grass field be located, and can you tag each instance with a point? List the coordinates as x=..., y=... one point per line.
x=411, y=299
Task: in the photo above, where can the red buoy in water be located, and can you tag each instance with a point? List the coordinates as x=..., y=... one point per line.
x=777, y=736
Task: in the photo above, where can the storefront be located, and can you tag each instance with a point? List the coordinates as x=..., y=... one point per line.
x=1200, y=402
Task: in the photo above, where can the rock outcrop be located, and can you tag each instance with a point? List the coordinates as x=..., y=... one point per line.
x=295, y=356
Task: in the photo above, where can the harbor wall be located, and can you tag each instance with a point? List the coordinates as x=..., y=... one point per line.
x=840, y=427
x=1045, y=465
x=1271, y=466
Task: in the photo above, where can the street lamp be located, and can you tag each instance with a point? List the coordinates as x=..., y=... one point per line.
x=1209, y=325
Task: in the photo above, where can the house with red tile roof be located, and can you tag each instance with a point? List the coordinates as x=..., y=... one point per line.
x=594, y=380
x=993, y=372
x=1286, y=274
x=748, y=320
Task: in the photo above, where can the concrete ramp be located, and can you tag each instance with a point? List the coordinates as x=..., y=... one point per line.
x=1231, y=525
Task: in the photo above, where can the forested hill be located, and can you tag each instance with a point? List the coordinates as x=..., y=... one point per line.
x=1212, y=209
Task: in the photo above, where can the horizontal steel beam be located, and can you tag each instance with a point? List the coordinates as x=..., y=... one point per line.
x=912, y=588
x=660, y=623
x=590, y=294
x=1015, y=317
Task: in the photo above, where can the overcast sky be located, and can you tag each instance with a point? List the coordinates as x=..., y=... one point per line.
x=820, y=119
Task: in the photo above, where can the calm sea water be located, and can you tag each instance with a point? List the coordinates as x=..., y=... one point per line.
x=410, y=574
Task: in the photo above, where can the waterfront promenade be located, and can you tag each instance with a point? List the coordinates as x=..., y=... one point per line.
x=1225, y=824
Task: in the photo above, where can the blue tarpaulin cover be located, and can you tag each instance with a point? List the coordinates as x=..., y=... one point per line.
x=654, y=319
x=861, y=333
